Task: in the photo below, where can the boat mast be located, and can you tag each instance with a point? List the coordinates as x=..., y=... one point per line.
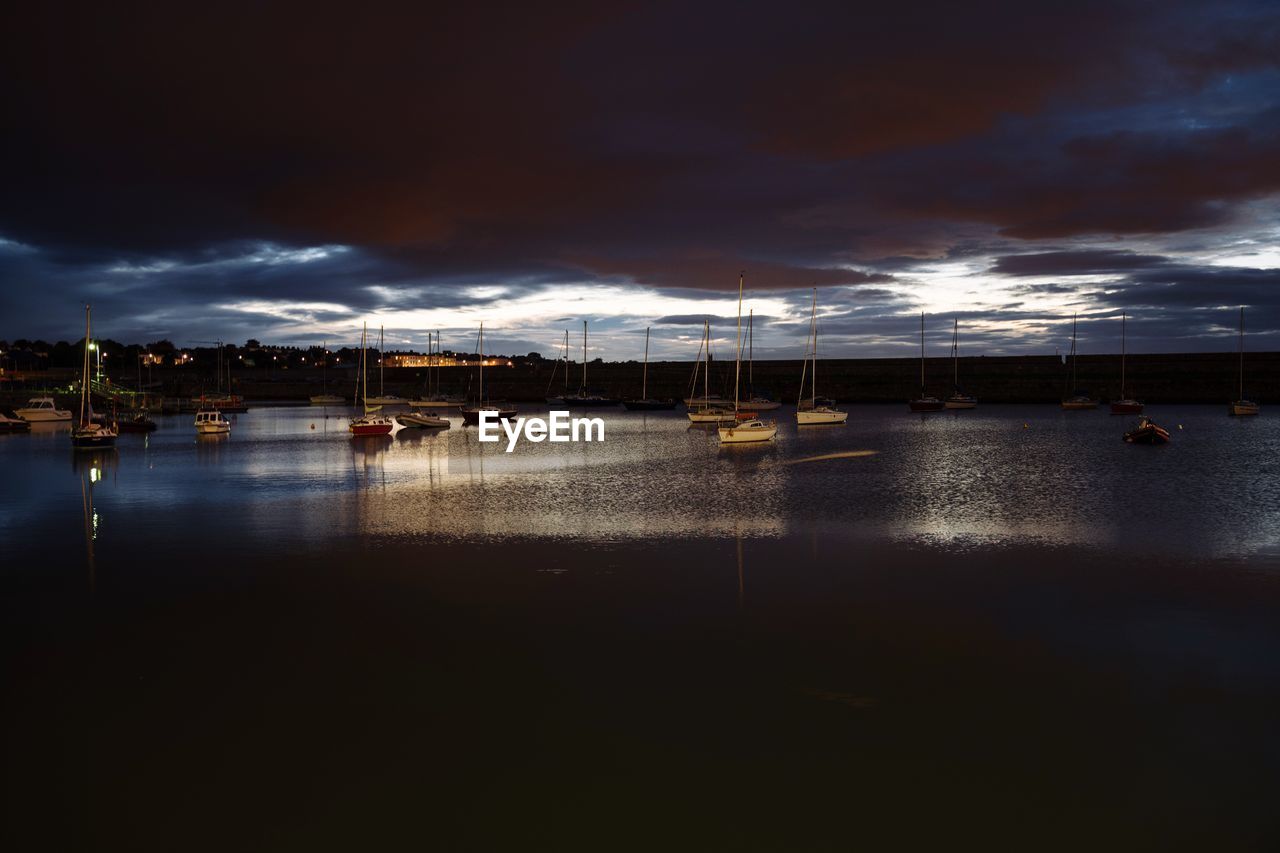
x=1123, y=396
x=955, y=353
x=804, y=357
x=324, y=368
x=480, y=343
x=1241, y=397
x=751, y=355
x=566, y=362
x=364, y=366
x=921, y=353
x=84, y=377
x=707, y=363
x=644, y=383
x=737, y=365
x=1075, y=381
x=381, y=346
x=584, y=358
x=813, y=333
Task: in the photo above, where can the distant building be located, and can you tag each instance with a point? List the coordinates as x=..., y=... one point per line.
x=413, y=359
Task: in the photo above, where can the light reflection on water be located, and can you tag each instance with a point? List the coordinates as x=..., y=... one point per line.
x=289, y=476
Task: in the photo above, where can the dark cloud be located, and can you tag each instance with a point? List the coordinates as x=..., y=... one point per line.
x=446, y=148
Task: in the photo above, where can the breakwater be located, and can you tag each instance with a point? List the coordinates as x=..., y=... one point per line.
x=1153, y=378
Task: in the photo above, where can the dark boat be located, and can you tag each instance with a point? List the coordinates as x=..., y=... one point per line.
x=925, y=402
x=646, y=403
x=139, y=422
x=649, y=405
x=1147, y=432
x=10, y=422
x=471, y=414
x=1125, y=405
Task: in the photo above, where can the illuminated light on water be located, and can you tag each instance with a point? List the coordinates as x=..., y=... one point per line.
x=844, y=454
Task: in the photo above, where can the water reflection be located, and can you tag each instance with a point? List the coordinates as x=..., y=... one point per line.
x=963, y=483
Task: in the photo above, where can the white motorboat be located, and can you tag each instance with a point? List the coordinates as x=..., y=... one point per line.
x=753, y=429
x=40, y=409
x=814, y=413
x=211, y=422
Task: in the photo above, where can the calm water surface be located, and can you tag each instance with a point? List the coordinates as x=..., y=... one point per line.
x=1003, y=627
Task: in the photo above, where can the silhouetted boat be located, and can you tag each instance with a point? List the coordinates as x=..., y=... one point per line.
x=958, y=399
x=645, y=403
x=1241, y=406
x=706, y=409
x=91, y=434
x=587, y=398
x=138, y=422
x=10, y=422
x=756, y=402
x=1078, y=400
x=925, y=402
x=1147, y=432
x=1125, y=405
x=471, y=414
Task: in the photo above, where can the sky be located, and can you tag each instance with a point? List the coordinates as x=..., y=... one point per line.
x=287, y=172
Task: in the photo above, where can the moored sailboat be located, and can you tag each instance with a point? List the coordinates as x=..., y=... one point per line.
x=1125, y=405
x=750, y=429
x=958, y=399
x=755, y=402
x=1079, y=400
x=369, y=423
x=645, y=403
x=383, y=398
x=813, y=413
x=1241, y=406
x=90, y=433
x=471, y=414
x=324, y=398
x=586, y=397
x=925, y=402
x=706, y=409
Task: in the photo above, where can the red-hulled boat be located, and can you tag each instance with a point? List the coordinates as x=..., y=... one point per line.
x=370, y=423
x=1147, y=432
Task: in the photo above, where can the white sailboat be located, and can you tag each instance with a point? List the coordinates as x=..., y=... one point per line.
x=325, y=398
x=958, y=399
x=813, y=413
x=926, y=402
x=1125, y=405
x=752, y=430
x=90, y=434
x=706, y=409
x=1241, y=406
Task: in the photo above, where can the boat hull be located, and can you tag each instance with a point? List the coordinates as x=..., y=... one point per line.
x=422, y=422
x=820, y=416
x=372, y=429
x=386, y=401
x=1147, y=434
x=43, y=415
x=711, y=417
x=961, y=402
x=649, y=405
x=434, y=404
x=1127, y=407
x=92, y=439
x=926, y=405
x=327, y=400
x=751, y=431
x=213, y=429
x=1079, y=405
x=590, y=402
x=1243, y=408
x=147, y=425
x=763, y=405
x=472, y=416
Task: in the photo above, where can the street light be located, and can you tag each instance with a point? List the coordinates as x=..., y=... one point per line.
x=98, y=358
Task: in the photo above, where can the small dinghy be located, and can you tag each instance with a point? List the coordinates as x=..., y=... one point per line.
x=1147, y=432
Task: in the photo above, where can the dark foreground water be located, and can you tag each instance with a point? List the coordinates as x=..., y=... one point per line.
x=1005, y=627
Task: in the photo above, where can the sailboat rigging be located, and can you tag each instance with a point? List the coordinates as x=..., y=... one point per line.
x=90, y=433
x=1241, y=406
x=586, y=397
x=813, y=413
x=1125, y=405
x=924, y=402
x=958, y=399
x=751, y=429
x=471, y=414
x=646, y=403
x=1079, y=400
x=369, y=423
